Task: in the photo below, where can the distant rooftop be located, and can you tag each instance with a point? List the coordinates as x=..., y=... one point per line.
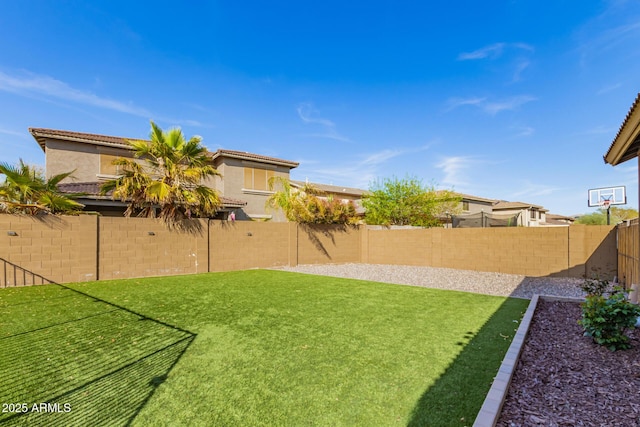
x=328, y=188
x=502, y=204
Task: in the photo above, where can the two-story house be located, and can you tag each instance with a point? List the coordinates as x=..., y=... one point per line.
x=530, y=215
x=242, y=187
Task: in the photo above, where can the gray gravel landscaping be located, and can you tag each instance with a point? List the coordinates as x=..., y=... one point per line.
x=446, y=278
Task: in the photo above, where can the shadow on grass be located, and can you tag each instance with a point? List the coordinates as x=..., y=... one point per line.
x=74, y=359
x=459, y=392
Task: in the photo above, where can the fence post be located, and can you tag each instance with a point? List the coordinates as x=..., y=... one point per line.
x=294, y=248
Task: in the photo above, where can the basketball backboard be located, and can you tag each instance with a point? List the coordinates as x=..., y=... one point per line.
x=614, y=195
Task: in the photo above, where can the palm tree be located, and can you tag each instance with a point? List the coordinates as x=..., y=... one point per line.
x=165, y=178
x=26, y=190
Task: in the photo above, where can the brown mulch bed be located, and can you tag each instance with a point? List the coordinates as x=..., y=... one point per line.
x=564, y=379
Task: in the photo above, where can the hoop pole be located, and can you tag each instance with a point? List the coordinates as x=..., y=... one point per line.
x=607, y=204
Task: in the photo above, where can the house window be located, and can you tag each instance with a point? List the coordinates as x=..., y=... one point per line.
x=533, y=214
x=465, y=206
x=257, y=178
x=106, y=165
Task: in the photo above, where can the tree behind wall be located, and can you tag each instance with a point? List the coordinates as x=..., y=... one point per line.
x=599, y=217
x=394, y=201
x=166, y=178
x=308, y=205
x=26, y=190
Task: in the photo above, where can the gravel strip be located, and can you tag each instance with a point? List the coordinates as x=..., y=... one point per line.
x=446, y=278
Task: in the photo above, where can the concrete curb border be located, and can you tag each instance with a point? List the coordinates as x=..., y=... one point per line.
x=492, y=406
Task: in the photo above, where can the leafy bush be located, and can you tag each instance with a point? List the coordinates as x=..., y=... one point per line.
x=605, y=319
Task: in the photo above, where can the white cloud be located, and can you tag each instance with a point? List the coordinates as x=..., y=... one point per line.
x=33, y=84
x=597, y=42
x=627, y=175
x=454, y=169
x=492, y=51
x=380, y=157
x=309, y=115
x=529, y=189
x=24, y=135
x=491, y=107
x=512, y=103
x=524, y=131
x=600, y=130
x=609, y=88
x=454, y=103
x=520, y=66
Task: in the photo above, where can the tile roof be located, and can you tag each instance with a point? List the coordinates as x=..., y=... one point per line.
x=243, y=155
x=475, y=198
x=327, y=188
x=632, y=150
x=92, y=191
x=41, y=135
x=556, y=217
x=502, y=204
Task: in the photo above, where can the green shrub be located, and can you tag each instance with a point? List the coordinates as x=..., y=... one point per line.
x=605, y=319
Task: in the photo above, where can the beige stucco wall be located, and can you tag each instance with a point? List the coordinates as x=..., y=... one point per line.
x=476, y=207
x=62, y=157
x=83, y=159
x=232, y=185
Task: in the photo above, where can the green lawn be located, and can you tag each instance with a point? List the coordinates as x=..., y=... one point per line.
x=250, y=348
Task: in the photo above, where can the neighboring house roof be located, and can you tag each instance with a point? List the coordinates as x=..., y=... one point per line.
x=626, y=144
x=41, y=135
x=502, y=204
x=243, y=155
x=92, y=191
x=474, y=198
x=336, y=189
x=559, y=217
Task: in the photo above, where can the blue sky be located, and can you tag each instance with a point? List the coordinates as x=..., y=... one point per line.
x=513, y=100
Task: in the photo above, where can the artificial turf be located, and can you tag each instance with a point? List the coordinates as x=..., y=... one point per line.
x=255, y=347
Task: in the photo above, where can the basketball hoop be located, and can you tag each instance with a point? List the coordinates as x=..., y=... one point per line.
x=606, y=204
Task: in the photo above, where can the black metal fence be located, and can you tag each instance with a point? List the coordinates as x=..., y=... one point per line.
x=484, y=220
x=12, y=275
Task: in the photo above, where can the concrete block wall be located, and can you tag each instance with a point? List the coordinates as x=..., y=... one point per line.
x=141, y=247
x=242, y=245
x=595, y=247
x=62, y=249
x=554, y=251
x=84, y=248
x=325, y=244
